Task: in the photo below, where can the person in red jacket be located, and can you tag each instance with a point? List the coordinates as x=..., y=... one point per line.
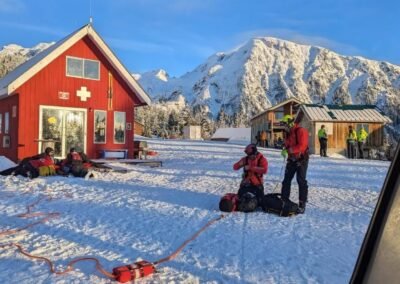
x=296, y=153
x=254, y=165
x=33, y=166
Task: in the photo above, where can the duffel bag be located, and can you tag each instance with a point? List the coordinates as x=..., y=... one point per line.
x=273, y=203
x=229, y=202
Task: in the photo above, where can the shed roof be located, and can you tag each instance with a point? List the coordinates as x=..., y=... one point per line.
x=344, y=113
x=21, y=74
x=290, y=100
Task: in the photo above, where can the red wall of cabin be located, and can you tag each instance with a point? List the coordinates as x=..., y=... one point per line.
x=6, y=105
x=43, y=89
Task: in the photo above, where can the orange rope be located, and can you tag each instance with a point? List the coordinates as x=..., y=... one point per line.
x=179, y=249
x=48, y=216
x=70, y=265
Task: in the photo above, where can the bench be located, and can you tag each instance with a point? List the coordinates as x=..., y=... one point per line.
x=140, y=150
x=114, y=154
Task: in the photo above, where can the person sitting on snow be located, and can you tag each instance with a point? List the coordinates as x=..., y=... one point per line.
x=39, y=165
x=254, y=165
x=76, y=163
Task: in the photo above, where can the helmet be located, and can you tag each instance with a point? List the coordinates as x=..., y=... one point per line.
x=251, y=149
x=287, y=119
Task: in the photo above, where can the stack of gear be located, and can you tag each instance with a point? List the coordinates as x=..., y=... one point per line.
x=274, y=203
x=247, y=202
x=231, y=202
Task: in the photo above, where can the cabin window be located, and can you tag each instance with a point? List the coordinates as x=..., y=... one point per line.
x=100, y=126
x=83, y=68
x=278, y=115
x=119, y=127
x=6, y=122
x=362, y=125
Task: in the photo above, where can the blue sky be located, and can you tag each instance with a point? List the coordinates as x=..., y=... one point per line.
x=178, y=35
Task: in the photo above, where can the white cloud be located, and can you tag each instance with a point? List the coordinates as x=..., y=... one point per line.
x=11, y=6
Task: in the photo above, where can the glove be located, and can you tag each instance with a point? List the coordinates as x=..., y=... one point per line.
x=284, y=153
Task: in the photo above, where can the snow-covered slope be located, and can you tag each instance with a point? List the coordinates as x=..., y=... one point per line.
x=148, y=213
x=13, y=55
x=267, y=70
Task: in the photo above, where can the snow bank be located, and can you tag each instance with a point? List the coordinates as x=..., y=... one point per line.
x=5, y=163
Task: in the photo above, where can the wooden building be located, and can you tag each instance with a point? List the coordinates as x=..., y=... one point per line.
x=337, y=119
x=76, y=93
x=269, y=120
x=138, y=128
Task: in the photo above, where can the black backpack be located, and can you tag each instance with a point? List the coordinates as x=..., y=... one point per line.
x=273, y=203
x=247, y=202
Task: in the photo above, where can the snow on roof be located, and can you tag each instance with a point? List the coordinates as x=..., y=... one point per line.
x=237, y=134
x=5, y=163
x=345, y=113
x=17, y=77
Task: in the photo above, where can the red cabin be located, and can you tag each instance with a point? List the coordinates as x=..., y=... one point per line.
x=76, y=93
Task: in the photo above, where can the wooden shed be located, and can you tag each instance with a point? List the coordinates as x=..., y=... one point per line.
x=74, y=93
x=269, y=120
x=337, y=119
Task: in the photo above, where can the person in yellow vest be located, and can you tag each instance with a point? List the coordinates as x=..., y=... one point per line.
x=361, y=139
x=323, y=141
x=351, y=143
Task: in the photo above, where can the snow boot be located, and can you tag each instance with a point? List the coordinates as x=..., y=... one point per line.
x=302, y=207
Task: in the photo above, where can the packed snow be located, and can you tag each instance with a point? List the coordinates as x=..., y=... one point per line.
x=147, y=213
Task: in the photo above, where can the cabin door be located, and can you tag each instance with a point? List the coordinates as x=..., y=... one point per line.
x=62, y=128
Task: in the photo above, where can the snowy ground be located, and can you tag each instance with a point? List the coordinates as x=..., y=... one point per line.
x=148, y=212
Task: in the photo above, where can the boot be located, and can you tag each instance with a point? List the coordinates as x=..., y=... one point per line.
x=302, y=207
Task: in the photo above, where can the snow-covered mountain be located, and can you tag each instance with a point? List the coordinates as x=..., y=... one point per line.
x=267, y=70
x=13, y=55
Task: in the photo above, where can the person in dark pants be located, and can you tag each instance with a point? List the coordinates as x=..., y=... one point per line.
x=361, y=139
x=254, y=165
x=323, y=141
x=296, y=154
x=351, y=143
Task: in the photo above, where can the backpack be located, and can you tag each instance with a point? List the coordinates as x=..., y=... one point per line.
x=247, y=202
x=229, y=202
x=273, y=203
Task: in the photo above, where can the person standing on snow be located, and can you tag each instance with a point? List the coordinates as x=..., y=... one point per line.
x=323, y=141
x=361, y=139
x=254, y=165
x=295, y=152
x=351, y=143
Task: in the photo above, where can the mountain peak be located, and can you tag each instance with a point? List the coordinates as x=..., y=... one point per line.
x=268, y=70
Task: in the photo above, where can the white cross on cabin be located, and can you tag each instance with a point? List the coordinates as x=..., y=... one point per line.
x=83, y=93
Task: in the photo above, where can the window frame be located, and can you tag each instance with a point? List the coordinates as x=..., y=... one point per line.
x=83, y=68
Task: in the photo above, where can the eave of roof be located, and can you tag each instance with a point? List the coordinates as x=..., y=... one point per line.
x=25, y=71
x=347, y=113
x=277, y=106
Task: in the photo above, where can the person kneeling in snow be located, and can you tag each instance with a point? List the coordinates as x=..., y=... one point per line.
x=254, y=165
x=76, y=163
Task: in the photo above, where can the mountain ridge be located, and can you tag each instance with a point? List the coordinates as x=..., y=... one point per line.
x=266, y=70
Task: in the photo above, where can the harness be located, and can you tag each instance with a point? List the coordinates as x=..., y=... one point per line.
x=246, y=173
x=300, y=156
